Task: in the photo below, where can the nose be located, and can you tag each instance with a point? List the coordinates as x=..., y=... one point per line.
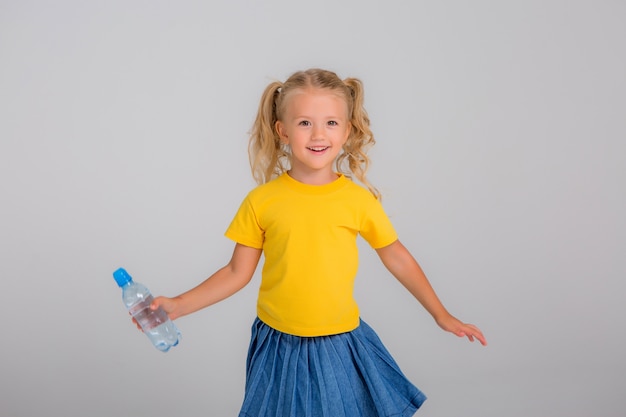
x=318, y=132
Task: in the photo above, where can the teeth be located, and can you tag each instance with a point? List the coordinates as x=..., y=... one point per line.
x=318, y=148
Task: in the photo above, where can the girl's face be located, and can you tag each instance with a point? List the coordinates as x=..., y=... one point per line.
x=315, y=125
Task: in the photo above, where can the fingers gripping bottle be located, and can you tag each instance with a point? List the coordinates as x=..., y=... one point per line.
x=156, y=324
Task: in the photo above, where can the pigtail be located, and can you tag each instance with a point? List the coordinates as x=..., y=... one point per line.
x=267, y=157
x=361, y=138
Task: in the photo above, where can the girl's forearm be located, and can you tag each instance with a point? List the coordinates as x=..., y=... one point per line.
x=222, y=284
x=405, y=268
x=418, y=285
x=219, y=286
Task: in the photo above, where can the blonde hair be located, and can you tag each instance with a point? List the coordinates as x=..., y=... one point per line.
x=269, y=158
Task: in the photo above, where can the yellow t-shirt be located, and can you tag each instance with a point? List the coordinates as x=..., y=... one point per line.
x=308, y=236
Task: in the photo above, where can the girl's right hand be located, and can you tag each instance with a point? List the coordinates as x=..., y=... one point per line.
x=167, y=304
x=170, y=305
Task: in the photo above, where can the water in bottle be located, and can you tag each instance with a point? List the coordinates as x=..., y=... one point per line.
x=156, y=324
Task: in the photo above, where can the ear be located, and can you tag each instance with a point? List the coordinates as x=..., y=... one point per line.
x=282, y=134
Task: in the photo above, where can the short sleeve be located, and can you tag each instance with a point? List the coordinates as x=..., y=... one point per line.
x=376, y=228
x=244, y=228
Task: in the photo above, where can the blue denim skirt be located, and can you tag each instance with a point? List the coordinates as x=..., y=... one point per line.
x=345, y=375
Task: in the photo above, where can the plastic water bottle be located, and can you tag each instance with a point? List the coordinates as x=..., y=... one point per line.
x=156, y=324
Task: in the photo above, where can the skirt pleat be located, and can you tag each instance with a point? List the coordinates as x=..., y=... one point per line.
x=345, y=375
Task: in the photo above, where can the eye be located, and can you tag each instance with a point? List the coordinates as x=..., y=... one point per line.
x=304, y=123
x=332, y=123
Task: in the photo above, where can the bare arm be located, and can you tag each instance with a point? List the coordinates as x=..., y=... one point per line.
x=399, y=261
x=222, y=284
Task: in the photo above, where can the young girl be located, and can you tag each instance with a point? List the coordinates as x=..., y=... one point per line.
x=310, y=353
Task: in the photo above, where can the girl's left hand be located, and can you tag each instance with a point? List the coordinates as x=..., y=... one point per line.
x=453, y=325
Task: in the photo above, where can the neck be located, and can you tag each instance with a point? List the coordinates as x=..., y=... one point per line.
x=313, y=178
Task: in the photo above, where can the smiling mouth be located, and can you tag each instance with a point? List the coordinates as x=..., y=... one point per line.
x=318, y=148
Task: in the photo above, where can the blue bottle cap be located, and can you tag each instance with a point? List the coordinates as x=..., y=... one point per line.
x=122, y=277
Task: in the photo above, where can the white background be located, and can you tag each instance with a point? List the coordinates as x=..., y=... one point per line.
x=501, y=154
